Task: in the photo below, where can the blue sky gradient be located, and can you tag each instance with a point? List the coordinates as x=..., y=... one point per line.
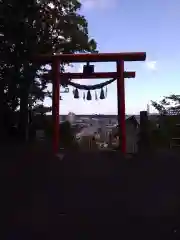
x=133, y=25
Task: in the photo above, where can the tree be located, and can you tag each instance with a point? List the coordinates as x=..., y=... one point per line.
x=30, y=28
x=169, y=111
x=168, y=105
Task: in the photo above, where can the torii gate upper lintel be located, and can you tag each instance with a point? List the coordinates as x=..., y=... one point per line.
x=119, y=58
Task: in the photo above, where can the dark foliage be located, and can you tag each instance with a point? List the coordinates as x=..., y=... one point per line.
x=29, y=28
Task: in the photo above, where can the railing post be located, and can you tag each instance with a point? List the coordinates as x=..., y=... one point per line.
x=55, y=103
x=121, y=106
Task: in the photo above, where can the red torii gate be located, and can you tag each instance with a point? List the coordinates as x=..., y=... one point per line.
x=119, y=58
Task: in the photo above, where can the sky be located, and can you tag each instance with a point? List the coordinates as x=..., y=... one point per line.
x=132, y=26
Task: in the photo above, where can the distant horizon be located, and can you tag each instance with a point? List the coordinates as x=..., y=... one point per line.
x=105, y=114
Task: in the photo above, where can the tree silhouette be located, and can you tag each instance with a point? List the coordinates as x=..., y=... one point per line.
x=29, y=28
x=168, y=105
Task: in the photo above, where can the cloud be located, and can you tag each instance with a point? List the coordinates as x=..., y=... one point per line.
x=152, y=65
x=97, y=4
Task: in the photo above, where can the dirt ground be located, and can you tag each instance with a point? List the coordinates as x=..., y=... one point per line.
x=90, y=195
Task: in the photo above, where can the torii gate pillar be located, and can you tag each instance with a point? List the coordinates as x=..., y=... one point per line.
x=121, y=106
x=55, y=103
